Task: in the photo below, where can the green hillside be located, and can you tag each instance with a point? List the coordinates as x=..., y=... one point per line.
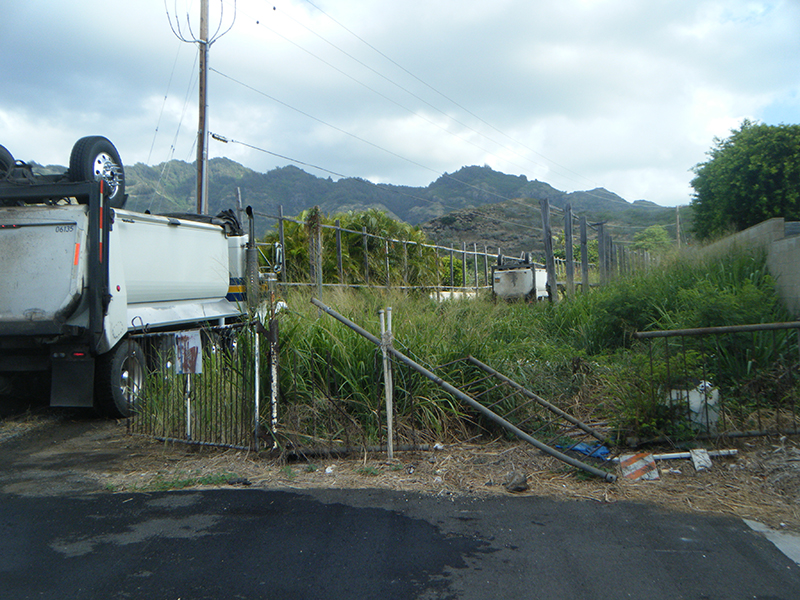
x=474, y=204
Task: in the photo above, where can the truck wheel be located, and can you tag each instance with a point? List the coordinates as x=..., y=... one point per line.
x=120, y=378
x=94, y=158
x=6, y=162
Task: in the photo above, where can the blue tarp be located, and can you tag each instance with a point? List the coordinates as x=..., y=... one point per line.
x=596, y=451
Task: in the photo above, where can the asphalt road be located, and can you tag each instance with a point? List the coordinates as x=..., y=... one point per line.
x=346, y=544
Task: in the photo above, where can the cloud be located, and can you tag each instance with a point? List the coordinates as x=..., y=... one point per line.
x=615, y=93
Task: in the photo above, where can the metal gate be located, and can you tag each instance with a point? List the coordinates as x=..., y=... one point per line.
x=200, y=386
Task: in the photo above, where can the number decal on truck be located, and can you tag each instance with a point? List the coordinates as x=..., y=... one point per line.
x=65, y=228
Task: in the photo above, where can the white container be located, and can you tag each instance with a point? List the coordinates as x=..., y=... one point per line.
x=520, y=282
x=703, y=402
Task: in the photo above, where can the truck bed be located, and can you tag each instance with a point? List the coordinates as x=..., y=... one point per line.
x=42, y=254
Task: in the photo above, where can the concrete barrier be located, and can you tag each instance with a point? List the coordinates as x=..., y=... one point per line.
x=780, y=240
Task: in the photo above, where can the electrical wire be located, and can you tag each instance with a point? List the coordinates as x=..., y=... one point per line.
x=412, y=112
x=167, y=164
x=446, y=97
x=354, y=136
x=391, y=189
x=413, y=162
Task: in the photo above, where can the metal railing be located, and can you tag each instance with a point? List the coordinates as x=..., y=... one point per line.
x=727, y=381
x=199, y=387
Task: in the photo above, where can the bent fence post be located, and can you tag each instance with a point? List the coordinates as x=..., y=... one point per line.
x=610, y=477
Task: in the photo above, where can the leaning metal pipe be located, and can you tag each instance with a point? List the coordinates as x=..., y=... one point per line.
x=642, y=335
x=552, y=408
x=610, y=477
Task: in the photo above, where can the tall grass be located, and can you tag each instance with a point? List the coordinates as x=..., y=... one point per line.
x=579, y=353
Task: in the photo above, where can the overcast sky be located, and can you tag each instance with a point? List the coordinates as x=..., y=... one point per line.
x=626, y=95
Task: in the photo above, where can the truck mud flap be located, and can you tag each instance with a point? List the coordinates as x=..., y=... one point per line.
x=72, y=381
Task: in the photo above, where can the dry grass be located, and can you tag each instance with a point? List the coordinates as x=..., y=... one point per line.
x=761, y=483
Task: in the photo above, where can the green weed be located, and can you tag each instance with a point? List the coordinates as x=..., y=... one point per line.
x=368, y=471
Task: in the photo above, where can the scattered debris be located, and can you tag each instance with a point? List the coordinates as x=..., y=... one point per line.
x=711, y=453
x=639, y=466
x=700, y=459
x=239, y=481
x=703, y=402
x=517, y=482
x=595, y=451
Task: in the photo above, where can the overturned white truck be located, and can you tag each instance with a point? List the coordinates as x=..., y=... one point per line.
x=79, y=274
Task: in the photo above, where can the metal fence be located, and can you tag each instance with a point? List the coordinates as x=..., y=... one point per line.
x=384, y=261
x=200, y=386
x=726, y=381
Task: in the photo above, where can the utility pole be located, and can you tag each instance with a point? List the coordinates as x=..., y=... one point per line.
x=202, y=128
x=678, y=224
x=185, y=33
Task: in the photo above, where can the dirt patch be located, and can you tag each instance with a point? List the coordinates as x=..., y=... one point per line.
x=48, y=455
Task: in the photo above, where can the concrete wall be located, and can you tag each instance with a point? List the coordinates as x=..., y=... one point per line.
x=757, y=237
x=783, y=261
x=781, y=242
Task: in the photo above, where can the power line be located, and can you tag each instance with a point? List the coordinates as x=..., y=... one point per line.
x=406, y=90
x=354, y=136
x=391, y=189
x=455, y=103
x=412, y=112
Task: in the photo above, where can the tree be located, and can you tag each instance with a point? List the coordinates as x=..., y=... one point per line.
x=751, y=176
x=654, y=239
x=409, y=262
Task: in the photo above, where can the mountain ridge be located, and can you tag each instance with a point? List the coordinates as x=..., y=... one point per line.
x=474, y=204
x=475, y=195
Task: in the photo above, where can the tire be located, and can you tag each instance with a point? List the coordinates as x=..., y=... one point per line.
x=95, y=158
x=120, y=379
x=6, y=162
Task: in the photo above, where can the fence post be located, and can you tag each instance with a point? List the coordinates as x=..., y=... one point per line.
x=438, y=279
x=319, y=262
x=256, y=384
x=452, y=268
x=314, y=225
x=283, y=244
x=464, y=265
x=569, y=250
x=386, y=260
x=405, y=264
x=486, y=265
x=625, y=259
x=610, y=256
x=188, y=402
x=549, y=259
x=274, y=358
x=386, y=341
x=584, y=257
x=366, y=255
x=339, y=251
x=475, y=261
x=601, y=252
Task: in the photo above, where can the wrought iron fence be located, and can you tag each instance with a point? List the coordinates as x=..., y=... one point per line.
x=726, y=381
x=199, y=386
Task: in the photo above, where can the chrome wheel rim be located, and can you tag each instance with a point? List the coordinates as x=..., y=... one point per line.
x=105, y=169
